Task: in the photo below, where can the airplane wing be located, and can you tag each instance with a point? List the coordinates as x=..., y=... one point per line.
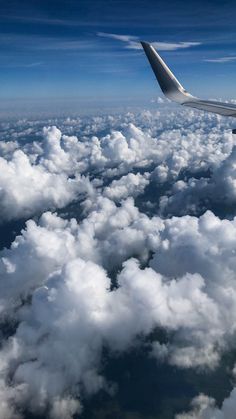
x=173, y=90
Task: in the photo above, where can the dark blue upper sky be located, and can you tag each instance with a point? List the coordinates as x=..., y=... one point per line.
x=89, y=48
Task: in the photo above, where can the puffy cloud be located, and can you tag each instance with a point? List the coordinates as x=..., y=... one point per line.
x=8, y=147
x=26, y=189
x=29, y=185
x=129, y=185
x=196, y=195
x=107, y=147
x=54, y=157
x=108, y=236
x=72, y=312
x=204, y=408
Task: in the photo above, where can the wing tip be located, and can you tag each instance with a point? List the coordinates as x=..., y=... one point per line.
x=169, y=84
x=145, y=44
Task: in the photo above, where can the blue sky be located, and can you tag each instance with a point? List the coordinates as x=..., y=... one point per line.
x=87, y=49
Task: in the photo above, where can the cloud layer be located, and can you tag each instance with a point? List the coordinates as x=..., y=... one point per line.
x=138, y=244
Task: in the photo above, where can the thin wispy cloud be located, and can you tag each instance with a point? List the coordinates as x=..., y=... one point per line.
x=36, y=64
x=133, y=42
x=221, y=59
x=47, y=21
x=22, y=65
x=40, y=42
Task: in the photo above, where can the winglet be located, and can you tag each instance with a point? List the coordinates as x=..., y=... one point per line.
x=166, y=79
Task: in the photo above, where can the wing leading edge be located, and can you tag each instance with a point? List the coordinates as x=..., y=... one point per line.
x=173, y=90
